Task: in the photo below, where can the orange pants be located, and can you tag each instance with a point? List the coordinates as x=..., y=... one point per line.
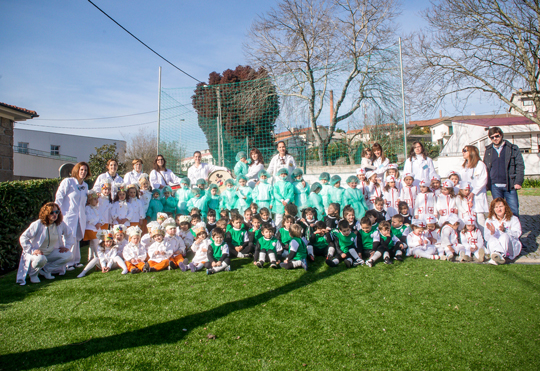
x=105, y=226
x=177, y=259
x=130, y=266
x=133, y=224
x=89, y=235
x=158, y=266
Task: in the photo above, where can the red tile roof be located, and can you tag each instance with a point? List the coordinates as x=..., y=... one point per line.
x=24, y=110
x=432, y=122
x=498, y=121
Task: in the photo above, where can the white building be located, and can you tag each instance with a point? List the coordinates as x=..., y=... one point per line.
x=524, y=100
x=39, y=154
x=518, y=130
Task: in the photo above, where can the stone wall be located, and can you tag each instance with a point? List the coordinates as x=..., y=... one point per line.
x=6, y=149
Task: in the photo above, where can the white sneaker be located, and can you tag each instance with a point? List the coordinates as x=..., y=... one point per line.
x=125, y=271
x=358, y=262
x=70, y=268
x=491, y=261
x=47, y=275
x=498, y=258
x=82, y=274
x=369, y=263
x=240, y=255
x=35, y=279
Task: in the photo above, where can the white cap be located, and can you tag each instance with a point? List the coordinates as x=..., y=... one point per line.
x=392, y=166
x=360, y=171
x=448, y=184
x=162, y=216
x=408, y=174
x=435, y=177
x=119, y=228
x=425, y=183
x=390, y=178
x=134, y=231
x=464, y=185
x=168, y=223
x=184, y=218
x=431, y=220
x=452, y=218
x=419, y=222
x=469, y=219
x=369, y=174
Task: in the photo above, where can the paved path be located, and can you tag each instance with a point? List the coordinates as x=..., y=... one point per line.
x=529, y=209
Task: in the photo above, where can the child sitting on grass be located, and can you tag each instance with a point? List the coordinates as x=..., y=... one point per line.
x=319, y=241
x=200, y=247
x=387, y=246
x=218, y=253
x=367, y=236
x=134, y=252
x=158, y=255
x=297, y=252
x=345, y=244
x=267, y=245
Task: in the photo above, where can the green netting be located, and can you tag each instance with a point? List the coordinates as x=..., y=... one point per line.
x=222, y=119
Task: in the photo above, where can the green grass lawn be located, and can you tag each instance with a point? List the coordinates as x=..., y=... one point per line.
x=414, y=315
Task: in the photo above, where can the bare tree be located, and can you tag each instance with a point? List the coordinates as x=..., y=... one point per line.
x=142, y=145
x=476, y=46
x=310, y=46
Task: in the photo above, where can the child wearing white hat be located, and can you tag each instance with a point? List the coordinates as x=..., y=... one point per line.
x=433, y=234
x=449, y=237
x=175, y=245
x=134, y=252
x=424, y=204
x=446, y=202
x=391, y=197
x=375, y=188
x=472, y=240
x=158, y=254
x=419, y=244
x=409, y=191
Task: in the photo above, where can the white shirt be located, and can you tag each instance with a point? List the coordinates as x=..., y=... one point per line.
x=163, y=178
x=478, y=178
x=422, y=168
x=132, y=177
x=106, y=176
x=202, y=171
x=253, y=172
x=279, y=162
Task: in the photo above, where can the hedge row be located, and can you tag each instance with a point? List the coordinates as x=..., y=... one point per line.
x=20, y=202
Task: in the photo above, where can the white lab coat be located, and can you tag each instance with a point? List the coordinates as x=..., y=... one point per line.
x=93, y=217
x=408, y=195
x=32, y=238
x=137, y=207
x=71, y=199
x=381, y=166
x=163, y=178
x=104, y=207
x=132, y=251
x=276, y=164
x=253, y=173
x=478, y=178
x=422, y=168
x=445, y=206
x=200, y=255
x=121, y=210
x=424, y=205
x=508, y=241
x=158, y=252
x=132, y=177
x=391, y=198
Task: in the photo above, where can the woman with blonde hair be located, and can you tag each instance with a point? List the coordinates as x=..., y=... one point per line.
x=475, y=173
x=134, y=175
x=46, y=246
x=110, y=176
x=71, y=199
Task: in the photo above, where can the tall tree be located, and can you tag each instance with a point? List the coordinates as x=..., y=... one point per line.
x=469, y=46
x=246, y=102
x=311, y=46
x=98, y=161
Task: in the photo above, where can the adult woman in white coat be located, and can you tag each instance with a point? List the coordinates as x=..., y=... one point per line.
x=257, y=164
x=161, y=177
x=419, y=164
x=474, y=171
x=502, y=233
x=283, y=160
x=380, y=162
x=71, y=198
x=110, y=176
x=134, y=175
x=201, y=170
x=46, y=246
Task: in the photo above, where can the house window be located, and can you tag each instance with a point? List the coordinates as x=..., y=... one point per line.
x=55, y=150
x=527, y=102
x=450, y=130
x=22, y=147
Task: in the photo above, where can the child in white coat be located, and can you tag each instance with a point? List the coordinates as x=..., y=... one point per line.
x=472, y=240
x=175, y=245
x=134, y=252
x=449, y=237
x=158, y=255
x=419, y=244
x=120, y=211
x=408, y=191
x=425, y=202
x=200, y=248
x=93, y=223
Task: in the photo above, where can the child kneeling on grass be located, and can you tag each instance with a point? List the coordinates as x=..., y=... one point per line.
x=267, y=245
x=134, y=252
x=218, y=253
x=297, y=250
x=345, y=244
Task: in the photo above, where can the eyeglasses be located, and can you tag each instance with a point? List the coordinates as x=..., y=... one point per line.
x=55, y=212
x=496, y=136
x=464, y=150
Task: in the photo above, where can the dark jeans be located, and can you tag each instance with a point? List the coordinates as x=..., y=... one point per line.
x=511, y=198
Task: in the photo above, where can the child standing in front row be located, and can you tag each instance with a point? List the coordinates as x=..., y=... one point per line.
x=282, y=194
x=354, y=197
x=409, y=191
x=391, y=196
x=425, y=202
x=316, y=200
x=93, y=223
x=262, y=193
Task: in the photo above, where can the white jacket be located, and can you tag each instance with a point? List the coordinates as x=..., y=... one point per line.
x=106, y=176
x=422, y=168
x=163, y=178
x=104, y=206
x=136, y=206
x=175, y=245
x=425, y=205
x=417, y=241
x=132, y=251
x=92, y=217
x=106, y=256
x=158, y=252
x=276, y=164
x=463, y=207
x=121, y=210
x=187, y=236
x=472, y=239
x=408, y=195
x=71, y=199
x=32, y=238
x=391, y=198
x=445, y=206
x=200, y=250
x=449, y=237
x=478, y=177
x=132, y=177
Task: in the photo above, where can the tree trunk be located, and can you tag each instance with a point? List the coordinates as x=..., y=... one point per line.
x=323, y=149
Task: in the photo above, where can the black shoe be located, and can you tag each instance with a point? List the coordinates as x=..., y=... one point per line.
x=387, y=260
x=273, y=265
x=146, y=267
x=399, y=258
x=210, y=271
x=260, y=264
x=348, y=263
x=135, y=270
x=171, y=265
x=152, y=269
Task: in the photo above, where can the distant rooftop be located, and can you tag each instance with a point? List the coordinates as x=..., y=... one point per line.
x=23, y=110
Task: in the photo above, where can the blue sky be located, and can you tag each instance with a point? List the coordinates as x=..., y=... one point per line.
x=65, y=59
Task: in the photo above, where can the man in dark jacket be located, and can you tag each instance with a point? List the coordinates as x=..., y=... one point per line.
x=505, y=167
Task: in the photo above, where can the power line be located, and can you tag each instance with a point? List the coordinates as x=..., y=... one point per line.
x=99, y=118
x=86, y=128
x=136, y=38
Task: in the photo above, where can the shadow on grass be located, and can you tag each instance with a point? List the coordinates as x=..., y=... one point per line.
x=163, y=333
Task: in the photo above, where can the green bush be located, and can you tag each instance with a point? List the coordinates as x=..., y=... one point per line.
x=20, y=202
x=531, y=183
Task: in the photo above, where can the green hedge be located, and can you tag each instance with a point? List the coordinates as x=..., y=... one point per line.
x=20, y=202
